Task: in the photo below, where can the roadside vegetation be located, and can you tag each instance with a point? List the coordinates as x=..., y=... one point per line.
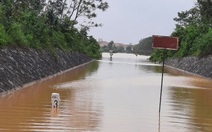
x=50, y=24
x=144, y=47
x=194, y=29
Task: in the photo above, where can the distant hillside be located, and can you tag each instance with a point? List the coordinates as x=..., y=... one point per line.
x=105, y=43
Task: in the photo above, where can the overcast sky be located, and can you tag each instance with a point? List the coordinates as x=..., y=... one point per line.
x=128, y=21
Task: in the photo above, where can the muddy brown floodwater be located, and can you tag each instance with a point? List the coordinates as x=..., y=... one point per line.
x=112, y=95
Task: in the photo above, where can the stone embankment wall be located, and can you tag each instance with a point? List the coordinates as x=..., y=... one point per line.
x=198, y=66
x=21, y=66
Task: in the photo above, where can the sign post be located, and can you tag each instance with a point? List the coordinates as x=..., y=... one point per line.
x=111, y=53
x=165, y=43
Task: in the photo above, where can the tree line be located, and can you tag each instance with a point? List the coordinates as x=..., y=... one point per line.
x=194, y=29
x=117, y=49
x=144, y=47
x=50, y=24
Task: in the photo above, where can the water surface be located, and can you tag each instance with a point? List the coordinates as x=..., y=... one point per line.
x=115, y=95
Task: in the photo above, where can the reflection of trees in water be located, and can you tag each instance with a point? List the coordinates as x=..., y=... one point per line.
x=78, y=73
x=155, y=69
x=92, y=68
x=195, y=105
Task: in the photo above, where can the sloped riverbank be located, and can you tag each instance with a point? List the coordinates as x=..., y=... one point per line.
x=22, y=66
x=198, y=66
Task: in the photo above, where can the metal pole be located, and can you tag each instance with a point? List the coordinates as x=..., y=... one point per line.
x=161, y=90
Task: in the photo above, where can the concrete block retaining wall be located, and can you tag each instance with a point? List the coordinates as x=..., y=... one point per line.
x=21, y=66
x=198, y=66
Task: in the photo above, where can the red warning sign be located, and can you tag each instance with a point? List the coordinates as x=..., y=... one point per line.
x=165, y=42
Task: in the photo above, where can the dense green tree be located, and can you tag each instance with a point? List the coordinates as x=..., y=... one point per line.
x=129, y=49
x=205, y=7
x=203, y=44
x=144, y=47
x=86, y=9
x=110, y=45
x=120, y=49
x=104, y=49
x=48, y=24
x=189, y=17
x=194, y=31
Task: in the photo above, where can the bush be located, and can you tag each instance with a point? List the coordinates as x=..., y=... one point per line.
x=17, y=36
x=204, y=44
x=3, y=36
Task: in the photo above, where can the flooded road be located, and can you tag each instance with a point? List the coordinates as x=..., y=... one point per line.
x=118, y=95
